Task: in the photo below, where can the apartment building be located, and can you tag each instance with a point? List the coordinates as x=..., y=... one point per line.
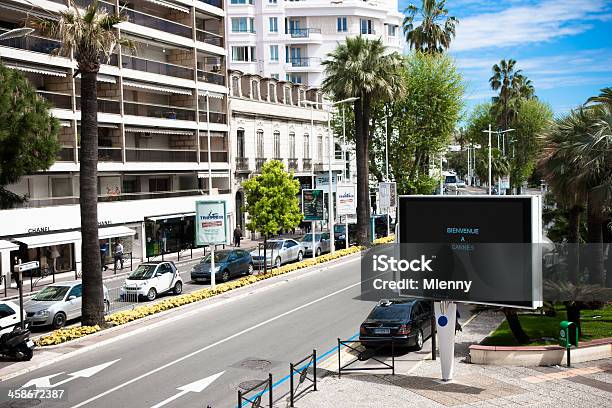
x=160, y=109
x=288, y=39
x=279, y=120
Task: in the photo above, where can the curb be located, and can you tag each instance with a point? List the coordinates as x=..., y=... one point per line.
x=197, y=307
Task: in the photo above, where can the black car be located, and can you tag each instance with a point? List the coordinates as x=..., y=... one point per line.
x=228, y=263
x=340, y=235
x=407, y=321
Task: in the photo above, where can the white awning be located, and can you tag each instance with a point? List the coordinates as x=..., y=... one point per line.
x=158, y=131
x=37, y=241
x=65, y=123
x=8, y=245
x=169, y=5
x=167, y=217
x=36, y=70
x=107, y=78
x=159, y=88
x=113, y=232
x=204, y=174
x=211, y=94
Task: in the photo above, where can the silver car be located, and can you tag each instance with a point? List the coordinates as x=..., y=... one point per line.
x=57, y=303
x=278, y=252
x=321, y=243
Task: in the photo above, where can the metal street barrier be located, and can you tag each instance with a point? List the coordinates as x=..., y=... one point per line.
x=256, y=399
x=294, y=368
x=365, y=355
x=117, y=301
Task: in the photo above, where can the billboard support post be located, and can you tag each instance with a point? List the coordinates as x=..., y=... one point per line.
x=446, y=315
x=211, y=229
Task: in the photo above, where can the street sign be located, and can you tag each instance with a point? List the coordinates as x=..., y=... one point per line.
x=312, y=205
x=346, y=200
x=27, y=266
x=211, y=226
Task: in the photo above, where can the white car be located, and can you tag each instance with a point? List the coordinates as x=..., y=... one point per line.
x=9, y=316
x=151, y=279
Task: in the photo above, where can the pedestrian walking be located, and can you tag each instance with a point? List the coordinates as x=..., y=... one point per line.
x=118, y=254
x=104, y=248
x=237, y=236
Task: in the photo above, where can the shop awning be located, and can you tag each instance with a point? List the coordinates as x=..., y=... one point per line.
x=169, y=5
x=204, y=174
x=109, y=79
x=211, y=94
x=115, y=232
x=159, y=131
x=8, y=245
x=36, y=69
x=37, y=241
x=167, y=217
x=158, y=88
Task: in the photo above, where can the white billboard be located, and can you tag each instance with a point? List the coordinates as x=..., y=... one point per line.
x=346, y=199
x=211, y=227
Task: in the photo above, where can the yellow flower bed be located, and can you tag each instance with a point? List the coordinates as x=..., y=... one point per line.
x=119, y=318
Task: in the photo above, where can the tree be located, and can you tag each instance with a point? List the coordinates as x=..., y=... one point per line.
x=433, y=35
x=425, y=120
x=513, y=86
x=359, y=68
x=91, y=36
x=500, y=165
x=28, y=133
x=271, y=201
x=523, y=147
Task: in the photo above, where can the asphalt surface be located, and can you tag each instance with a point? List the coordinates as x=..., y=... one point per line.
x=243, y=339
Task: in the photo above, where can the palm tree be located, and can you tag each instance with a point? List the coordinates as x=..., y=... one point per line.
x=91, y=36
x=433, y=35
x=604, y=97
x=513, y=86
x=360, y=68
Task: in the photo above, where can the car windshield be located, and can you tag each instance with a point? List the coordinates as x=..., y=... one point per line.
x=308, y=237
x=451, y=179
x=143, y=272
x=275, y=245
x=396, y=311
x=52, y=293
x=219, y=257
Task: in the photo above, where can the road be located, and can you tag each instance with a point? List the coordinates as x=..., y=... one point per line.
x=243, y=339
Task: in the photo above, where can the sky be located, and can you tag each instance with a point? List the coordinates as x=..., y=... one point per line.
x=563, y=46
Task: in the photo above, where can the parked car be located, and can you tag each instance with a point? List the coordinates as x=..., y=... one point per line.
x=321, y=243
x=10, y=316
x=380, y=226
x=340, y=235
x=460, y=183
x=151, y=279
x=57, y=303
x=278, y=252
x=407, y=321
x=228, y=263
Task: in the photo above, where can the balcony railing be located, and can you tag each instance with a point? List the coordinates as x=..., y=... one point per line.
x=215, y=157
x=157, y=23
x=209, y=38
x=303, y=62
x=259, y=162
x=306, y=164
x=211, y=77
x=156, y=67
x=102, y=5
x=108, y=154
x=304, y=32
x=104, y=105
x=293, y=164
x=158, y=111
x=159, y=155
x=57, y=99
x=215, y=117
x=242, y=163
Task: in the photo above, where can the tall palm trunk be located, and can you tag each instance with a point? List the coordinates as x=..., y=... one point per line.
x=363, y=199
x=573, y=258
x=93, y=296
x=595, y=239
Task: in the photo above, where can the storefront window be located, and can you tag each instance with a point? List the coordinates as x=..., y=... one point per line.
x=170, y=235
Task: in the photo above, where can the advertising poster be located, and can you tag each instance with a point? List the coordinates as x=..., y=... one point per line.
x=312, y=205
x=346, y=200
x=211, y=225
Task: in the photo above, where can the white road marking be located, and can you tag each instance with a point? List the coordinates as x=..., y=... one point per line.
x=240, y=333
x=43, y=382
x=196, y=386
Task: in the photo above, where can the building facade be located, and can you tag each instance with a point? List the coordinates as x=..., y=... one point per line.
x=161, y=108
x=288, y=39
x=280, y=120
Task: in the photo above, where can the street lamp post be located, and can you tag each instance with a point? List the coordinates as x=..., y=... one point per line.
x=498, y=133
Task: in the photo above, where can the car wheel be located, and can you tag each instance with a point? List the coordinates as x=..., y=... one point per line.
x=225, y=276
x=251, y=269
x=152, y=294
x=178, y=288
x=300, y=256
x=59, y=320
x=419, y=340
x=318, y=253
x=277, y=262
x=26, y=352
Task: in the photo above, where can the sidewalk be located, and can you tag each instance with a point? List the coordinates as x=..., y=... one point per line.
x=36, y=283
x=583, y=385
